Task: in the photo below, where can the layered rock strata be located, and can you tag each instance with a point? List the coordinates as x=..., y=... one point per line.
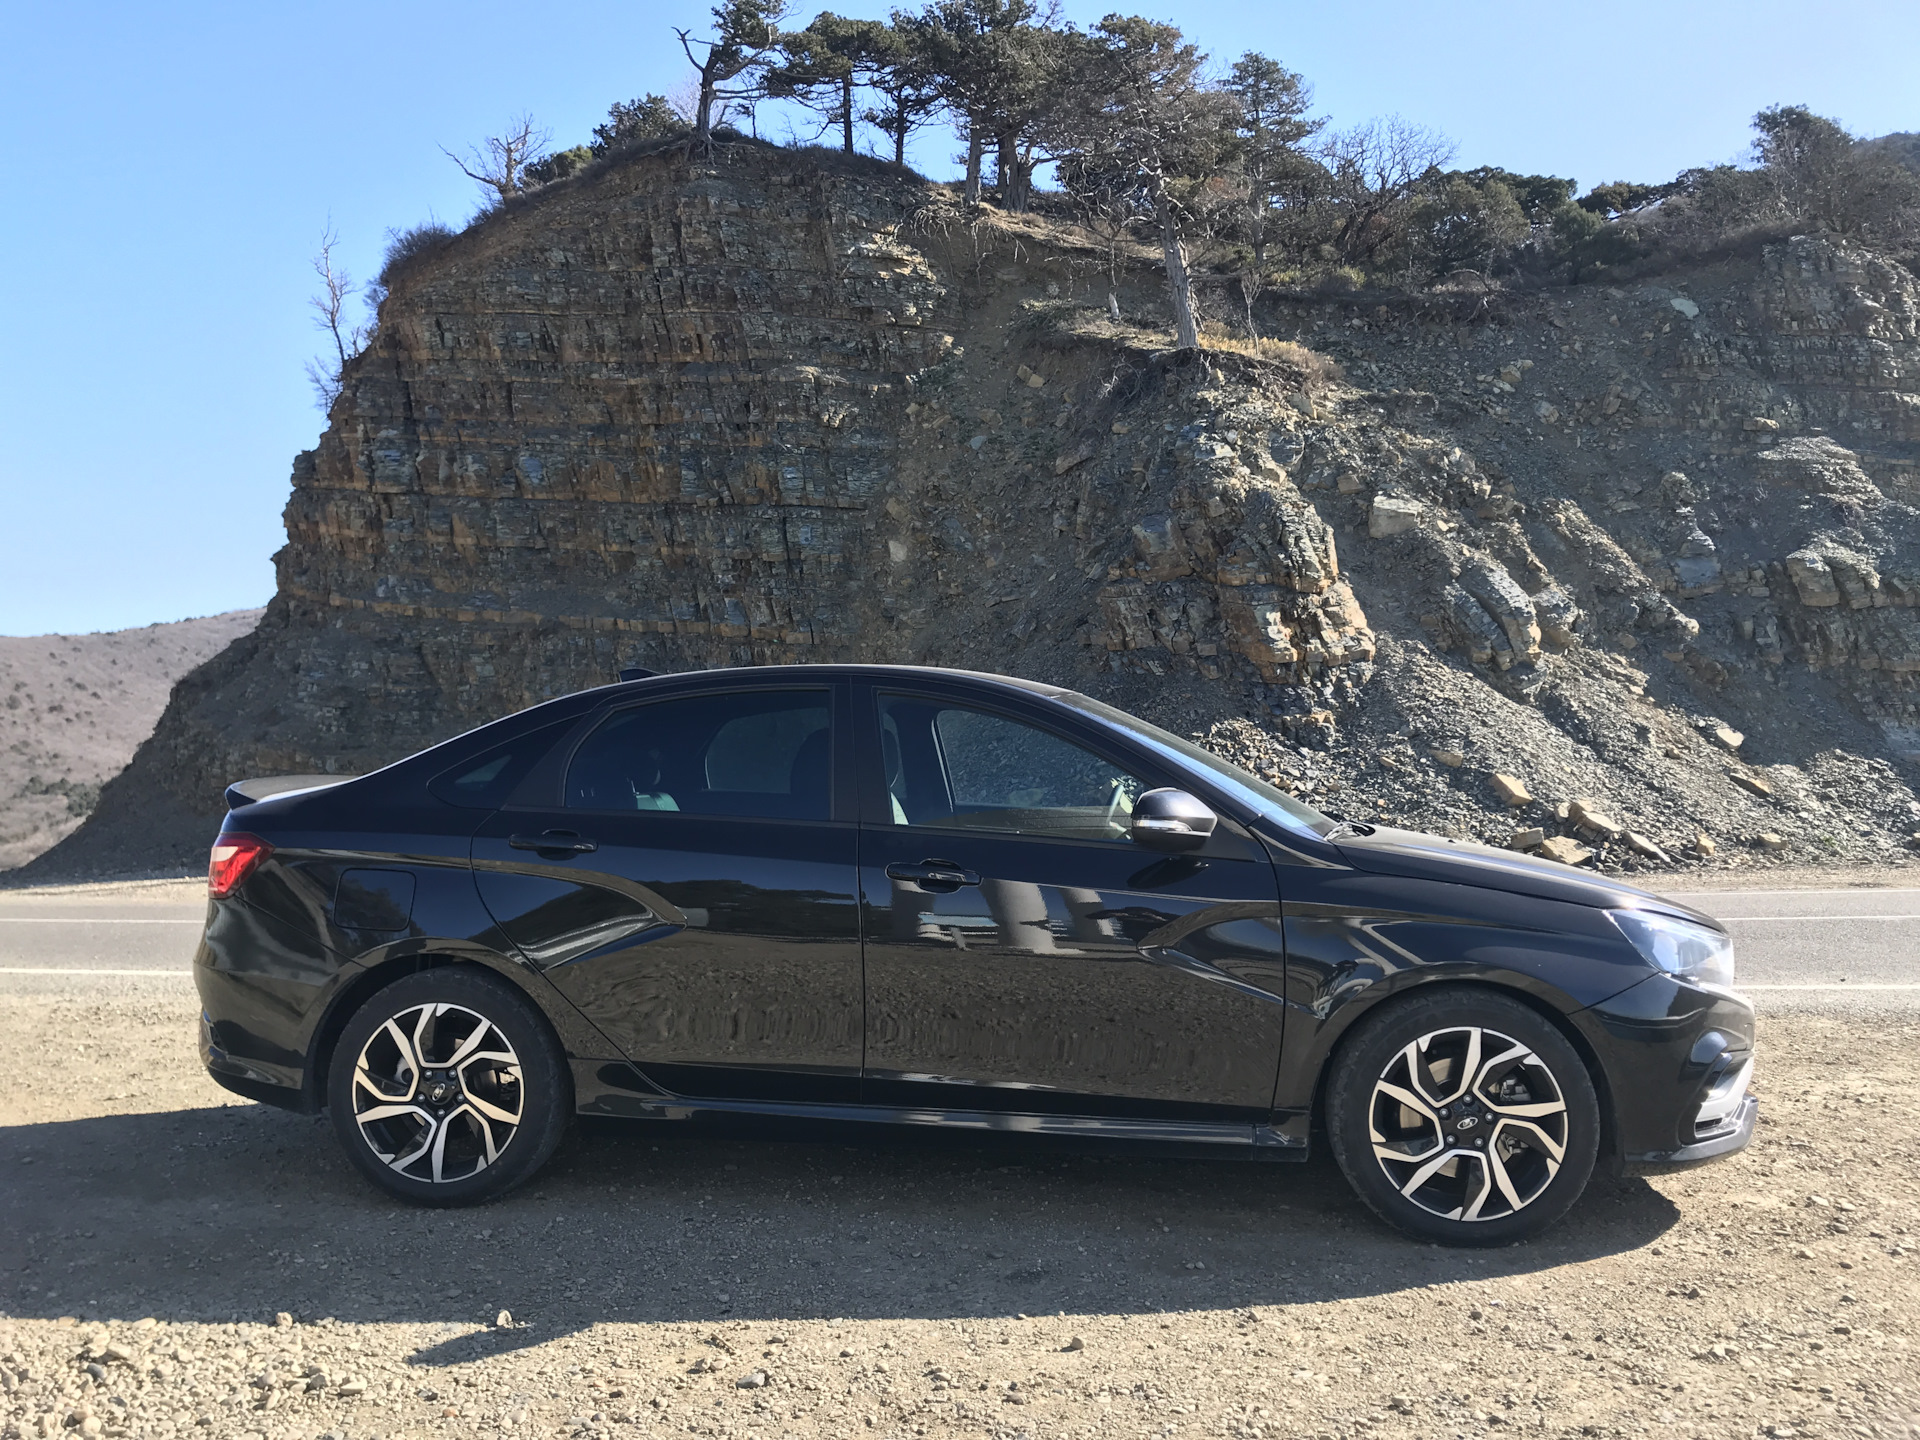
x=763, y=411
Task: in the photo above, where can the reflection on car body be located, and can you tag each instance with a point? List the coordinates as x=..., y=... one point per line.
x=911, y=896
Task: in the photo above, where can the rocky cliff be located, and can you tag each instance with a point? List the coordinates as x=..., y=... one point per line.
x=1636, y=569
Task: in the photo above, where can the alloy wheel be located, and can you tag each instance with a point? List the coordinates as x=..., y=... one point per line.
x=438, y=1092
x=1468, y=1124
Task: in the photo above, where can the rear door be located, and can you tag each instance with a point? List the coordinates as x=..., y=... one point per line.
x=1024, y=955
x=685, y=875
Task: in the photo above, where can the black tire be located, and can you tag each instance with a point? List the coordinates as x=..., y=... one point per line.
x=443, y=1137
x=1467, y=1197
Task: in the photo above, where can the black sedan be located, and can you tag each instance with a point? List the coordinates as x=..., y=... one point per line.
x=925, y=897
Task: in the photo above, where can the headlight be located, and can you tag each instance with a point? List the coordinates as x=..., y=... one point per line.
x=1679, y=947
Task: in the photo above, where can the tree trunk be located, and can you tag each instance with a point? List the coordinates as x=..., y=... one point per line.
x=1009, y=163
x=900, y=143
x=971, y=193
x=1186, y=335
x=846, y=115
x=703, y=116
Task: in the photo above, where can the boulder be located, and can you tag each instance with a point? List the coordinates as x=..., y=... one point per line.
x=1644, y=845
x=1588, y=815
x=1392, y=515
x=1566, y=850
x=1723, y=734
x=1509, y=789
x=1512, y=609
x=1529, y=839
x=1557, y=614
x=1813, y=579
x=1449, y=757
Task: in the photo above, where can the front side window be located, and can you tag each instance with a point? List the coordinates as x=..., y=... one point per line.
x=953, y=767
x=762, y=755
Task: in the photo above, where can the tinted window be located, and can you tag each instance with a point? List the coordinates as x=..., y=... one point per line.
x=484, y=782
x=767, y=755
x=951, y=766
x=1249, y=789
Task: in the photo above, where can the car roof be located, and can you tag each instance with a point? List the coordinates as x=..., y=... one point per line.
x=724, y=673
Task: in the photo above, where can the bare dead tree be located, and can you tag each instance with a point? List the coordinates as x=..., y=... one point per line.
x=329, y=312
x=1375, y=170
x=499, y=163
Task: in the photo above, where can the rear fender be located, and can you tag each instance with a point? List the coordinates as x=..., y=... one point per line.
x=377, y=969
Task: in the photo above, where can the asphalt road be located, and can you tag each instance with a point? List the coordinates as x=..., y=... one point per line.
x=1825, y=950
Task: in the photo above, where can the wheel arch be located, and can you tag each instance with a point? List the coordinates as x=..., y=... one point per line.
x=1561, y=1021
x=378, y=974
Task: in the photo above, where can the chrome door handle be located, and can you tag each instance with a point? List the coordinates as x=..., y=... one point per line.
x=937, y=875
x=554, y=842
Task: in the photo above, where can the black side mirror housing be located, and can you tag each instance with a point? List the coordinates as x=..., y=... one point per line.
x=1171, y=821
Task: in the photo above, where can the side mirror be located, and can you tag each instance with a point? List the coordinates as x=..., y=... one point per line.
x=1171, y=820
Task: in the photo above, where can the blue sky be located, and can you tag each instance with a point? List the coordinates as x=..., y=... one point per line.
x=174, y=166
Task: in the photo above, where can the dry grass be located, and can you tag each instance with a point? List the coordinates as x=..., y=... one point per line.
x=1316, y=369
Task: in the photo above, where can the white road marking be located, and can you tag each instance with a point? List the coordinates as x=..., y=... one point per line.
x=83, y=970
x=77, y=920
x=1830, y=987
x=1730, y=919
x=1862, y=890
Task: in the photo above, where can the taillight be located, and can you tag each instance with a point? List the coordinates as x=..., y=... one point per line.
x=234, y=858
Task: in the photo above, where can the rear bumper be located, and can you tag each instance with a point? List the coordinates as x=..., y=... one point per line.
x=1703, y=1152
x=256, y=1080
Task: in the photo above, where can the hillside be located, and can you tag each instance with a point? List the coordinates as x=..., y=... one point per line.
x=73, y=708
x=1653, y=546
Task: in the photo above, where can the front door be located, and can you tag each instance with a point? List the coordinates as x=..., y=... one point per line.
x=691, y=890
x=1024, y=955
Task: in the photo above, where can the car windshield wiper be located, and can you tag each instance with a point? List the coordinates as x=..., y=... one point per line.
x=1343, y=826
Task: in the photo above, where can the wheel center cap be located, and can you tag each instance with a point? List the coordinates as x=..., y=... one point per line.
x=1466, y=1123
x=439, y=1092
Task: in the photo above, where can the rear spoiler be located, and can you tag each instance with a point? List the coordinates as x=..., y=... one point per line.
x=249, y=792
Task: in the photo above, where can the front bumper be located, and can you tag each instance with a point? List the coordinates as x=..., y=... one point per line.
x=1677, y=1059
x=1729, y=1142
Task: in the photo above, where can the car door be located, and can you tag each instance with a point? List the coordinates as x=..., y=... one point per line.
x=684, y=873
x=1023, y=955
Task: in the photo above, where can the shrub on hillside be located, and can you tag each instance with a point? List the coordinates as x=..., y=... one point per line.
x=558, y=166
x=406, y=246
x=651, y=117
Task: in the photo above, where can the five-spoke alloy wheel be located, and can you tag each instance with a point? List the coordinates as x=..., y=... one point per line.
x=446, y=1088
x=1463, y=1117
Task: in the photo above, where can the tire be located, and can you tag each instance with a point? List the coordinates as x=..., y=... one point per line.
x=463, y=1130
x=1445, y=1158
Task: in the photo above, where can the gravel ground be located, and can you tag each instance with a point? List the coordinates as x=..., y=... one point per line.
x=178, y=1262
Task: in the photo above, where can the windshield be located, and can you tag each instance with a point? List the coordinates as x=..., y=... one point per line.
x=1249, y=790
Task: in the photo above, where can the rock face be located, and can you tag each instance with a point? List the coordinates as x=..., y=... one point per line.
x=768, y=410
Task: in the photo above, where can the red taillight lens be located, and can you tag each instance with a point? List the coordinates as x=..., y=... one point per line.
x=234, y=858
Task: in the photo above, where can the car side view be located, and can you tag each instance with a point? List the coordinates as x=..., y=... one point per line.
x=910, y=896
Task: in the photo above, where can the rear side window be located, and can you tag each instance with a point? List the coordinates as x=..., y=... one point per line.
x=484, y=782
x=763, y=755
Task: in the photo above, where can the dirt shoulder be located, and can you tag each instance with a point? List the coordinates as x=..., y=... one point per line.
x=676, y=1283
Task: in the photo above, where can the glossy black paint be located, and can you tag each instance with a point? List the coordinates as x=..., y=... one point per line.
x=1064, y=976
x=705, y=966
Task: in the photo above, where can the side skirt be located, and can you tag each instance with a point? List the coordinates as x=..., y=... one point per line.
x=597, y=1098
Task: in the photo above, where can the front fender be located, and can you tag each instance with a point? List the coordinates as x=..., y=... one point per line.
x=1355, y=941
